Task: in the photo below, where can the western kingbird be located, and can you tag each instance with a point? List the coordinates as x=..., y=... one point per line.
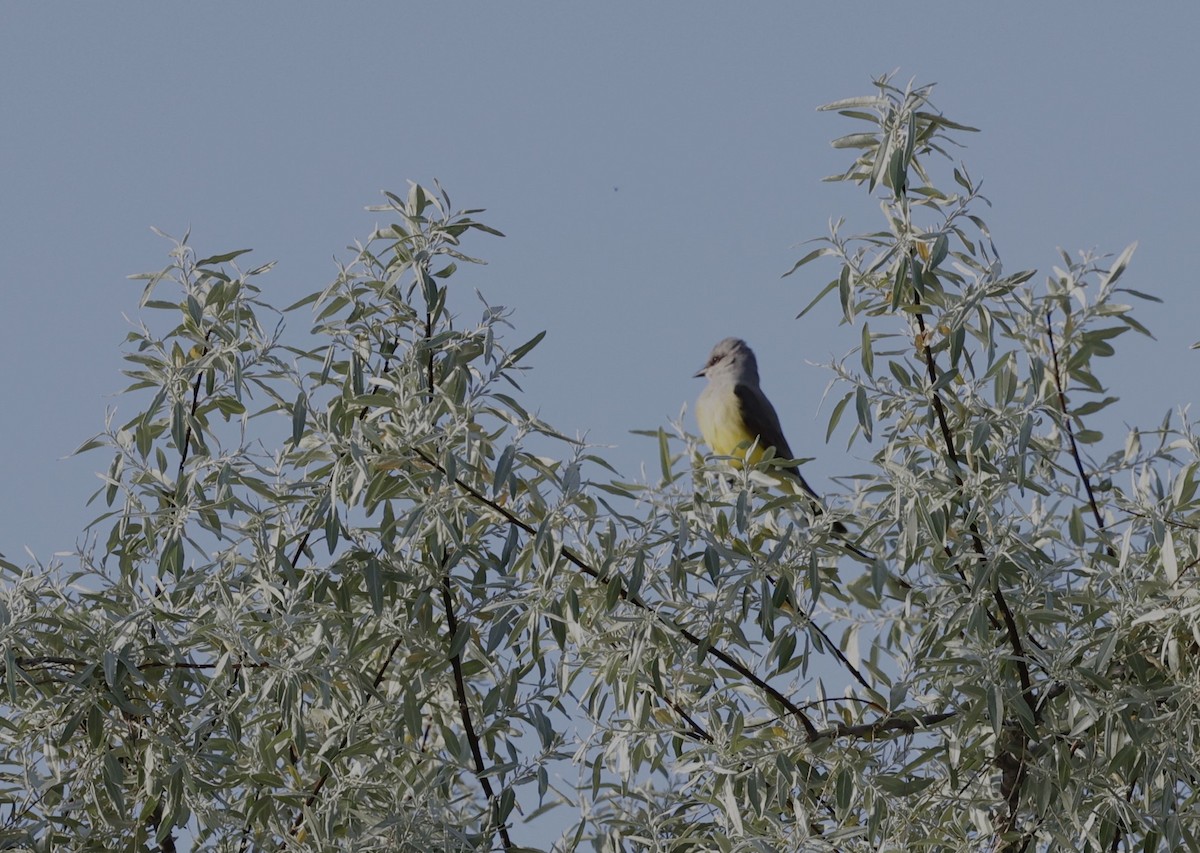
x=737, y=419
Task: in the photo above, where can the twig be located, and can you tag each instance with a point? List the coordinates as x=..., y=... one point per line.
x=697, y=730
x=298, y=823
x=303, y=543
x=906, y=723
x=1010, y=624
x=53, y=660
x=187, y=435
x=837, y=652
x=1011, y=782
x=574, y=559
x=1065, y=420
x=464, y=708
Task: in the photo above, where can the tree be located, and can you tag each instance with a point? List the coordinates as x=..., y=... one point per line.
x=354, y=594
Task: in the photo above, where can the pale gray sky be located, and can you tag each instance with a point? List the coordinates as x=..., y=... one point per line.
x=654, y=167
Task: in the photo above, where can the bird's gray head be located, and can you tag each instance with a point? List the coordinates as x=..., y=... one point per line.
x=734, y=359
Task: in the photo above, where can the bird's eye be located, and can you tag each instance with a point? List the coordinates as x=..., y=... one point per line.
x=713, y=360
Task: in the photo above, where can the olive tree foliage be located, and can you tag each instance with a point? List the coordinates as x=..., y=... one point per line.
x=347, y=592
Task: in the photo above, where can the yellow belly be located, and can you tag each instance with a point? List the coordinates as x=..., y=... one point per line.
x=721, y=424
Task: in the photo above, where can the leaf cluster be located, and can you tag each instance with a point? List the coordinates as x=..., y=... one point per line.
x=351, y=591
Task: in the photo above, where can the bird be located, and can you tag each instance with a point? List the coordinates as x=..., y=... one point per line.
x=736, y=418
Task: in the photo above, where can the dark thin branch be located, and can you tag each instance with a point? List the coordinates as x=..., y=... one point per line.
x=1014, y=638
x=40, y=661
x=429, y=362
x=303, y=543
x=698, y=731
x=1010, y=623
x=464, y=707
x=1167, y=522
x=938, y=407
x=295, y=561
x=460, y=683
x=187, y=436
x=1065, y=420
x=298, y=823
x=903, y=723
x=1013, y=758
x=574, y=559
x=837, y=652
x=832, y=700
x=183, y=456
x=1012, y=775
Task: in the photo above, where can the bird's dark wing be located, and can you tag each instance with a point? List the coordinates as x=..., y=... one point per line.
x=760, y=419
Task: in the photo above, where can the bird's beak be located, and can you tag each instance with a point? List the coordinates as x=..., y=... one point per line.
x=701, y=372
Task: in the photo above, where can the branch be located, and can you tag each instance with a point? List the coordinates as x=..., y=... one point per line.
x=1065, y=420
x=464, y=709
x=698, y=731
x=900, y=722
x=362, y=415
x=187, y=436
x=837, y=652
x=1013, y=777
x=1010, y=624
x=41, y=661
x=574, y=559
x=298, y=823
x=1011, y=762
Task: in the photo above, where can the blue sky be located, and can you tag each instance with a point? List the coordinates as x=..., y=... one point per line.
x=654, y=168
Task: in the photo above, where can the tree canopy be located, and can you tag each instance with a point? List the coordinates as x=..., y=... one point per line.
x=348, y=591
